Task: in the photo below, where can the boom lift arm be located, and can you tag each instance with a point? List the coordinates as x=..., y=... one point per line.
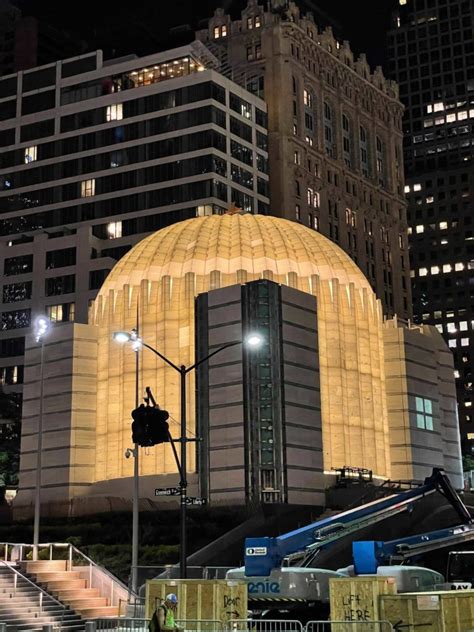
x=369, y=555
x=264, y=554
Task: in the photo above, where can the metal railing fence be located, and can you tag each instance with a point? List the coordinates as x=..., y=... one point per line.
x=98, y=577
x=348, y=626
x=44, y=598
x=263, y=625
x=124, y=624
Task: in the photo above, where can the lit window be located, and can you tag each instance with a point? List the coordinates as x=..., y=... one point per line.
x=463, y=325
x=316, y=223
x=309, y=140
x=223, y=30
x=470, y=435
x=434, y=269
x=298, y=212
x=439, y=328
x=459, y=267
x=467, y=403
x=438, y=107
x=464, y=342
x=402, y=2
x=407, y=188
x=451, y=328
x=423, y=271
x=462, y=115
x=420, y=228
x=249, y=23
x=114, y=112
x=307, y=98
x=31, y=154
x=216, y=32
x=424, y=413
x=258, y=22
x=429, y=199
x=452, y=344
x=444, y=242
x=114, y=230
x=450, y=118
x=203, y=210
x=456, y=374
x=410, y=230
x=447, y=267
x=88, y=188
x=443, y=225
x=417, y=187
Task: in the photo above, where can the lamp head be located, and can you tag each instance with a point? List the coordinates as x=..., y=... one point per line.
x=41, y=328
x=254, y=340
x=121, y=336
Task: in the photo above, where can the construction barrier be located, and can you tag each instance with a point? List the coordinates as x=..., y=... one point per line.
x=242, y=625
x=262, y=625
x=348, y=626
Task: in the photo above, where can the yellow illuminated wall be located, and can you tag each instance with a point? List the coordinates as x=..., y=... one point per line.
x=160, y=278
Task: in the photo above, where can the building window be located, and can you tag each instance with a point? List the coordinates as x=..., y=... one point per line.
x=250, y=23
x=114, y=112
x=220, y=31
x=346, y=141
x=56, y=286
x=328, y=130
x=31, y=154
x=114, y=230
x=11, y=375
x=15, y=320
x=18, y=265
x=250, y=53
x=307, y=98
x=297, y=157
x=60, y=258
x=258, y=22
x=380, y=161
x=364, y=151
x=61, y=313
x=88, y=188
x=17, y=292
x=424, y=413
x=96, y=278
x=298, y=212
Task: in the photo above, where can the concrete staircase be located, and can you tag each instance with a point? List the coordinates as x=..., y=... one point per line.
x=20, y=606
x=69, y=588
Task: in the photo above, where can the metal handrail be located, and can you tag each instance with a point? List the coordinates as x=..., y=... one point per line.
x=36, y=587
x=70, y=548
x=101, y=568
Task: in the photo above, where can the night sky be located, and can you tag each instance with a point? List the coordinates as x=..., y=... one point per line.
x=143, y=26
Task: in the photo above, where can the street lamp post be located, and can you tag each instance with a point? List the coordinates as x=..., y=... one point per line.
x=41, y=328
x=253, y=340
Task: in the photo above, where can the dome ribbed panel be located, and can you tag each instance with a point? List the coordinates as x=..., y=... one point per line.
x=227, y=243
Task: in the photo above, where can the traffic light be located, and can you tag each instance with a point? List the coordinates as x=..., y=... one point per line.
x=149, y=426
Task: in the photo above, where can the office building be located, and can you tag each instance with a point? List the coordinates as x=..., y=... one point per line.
x=431, y=51
x=335, y=136
x=333, y=384
x=95, y=155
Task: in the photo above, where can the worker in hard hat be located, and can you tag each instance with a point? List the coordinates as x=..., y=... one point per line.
x=164, y=617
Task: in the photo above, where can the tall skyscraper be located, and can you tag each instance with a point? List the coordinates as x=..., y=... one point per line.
x=431, y=51
x=96, y=155
x=335, y=136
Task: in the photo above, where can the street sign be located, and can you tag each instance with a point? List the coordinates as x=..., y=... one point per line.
x=192, y=500
x=167, y=491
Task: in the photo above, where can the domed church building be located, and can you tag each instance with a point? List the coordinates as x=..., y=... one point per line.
x=332, y=384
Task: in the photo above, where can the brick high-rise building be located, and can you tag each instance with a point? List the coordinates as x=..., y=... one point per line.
x=335, y=136
x=431, y=51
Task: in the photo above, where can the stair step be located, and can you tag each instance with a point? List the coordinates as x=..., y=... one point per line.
x=44, y=565
x=46, y=576
x=70, y=584
x=77, y=594
x=87, y=602
x=96, y=613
